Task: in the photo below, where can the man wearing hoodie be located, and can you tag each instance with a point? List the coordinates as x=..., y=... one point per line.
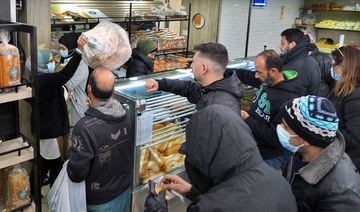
x=275, y=88
x=295, y=49
x=212, y=86
x=102, y=148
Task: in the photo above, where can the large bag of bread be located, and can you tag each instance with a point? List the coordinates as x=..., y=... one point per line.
x=18, y=188
x=9, y=61
x=107, y=45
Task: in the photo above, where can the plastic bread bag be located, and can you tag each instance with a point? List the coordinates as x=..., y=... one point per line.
x=107, y=45
x=9, y=61
x=18, y=188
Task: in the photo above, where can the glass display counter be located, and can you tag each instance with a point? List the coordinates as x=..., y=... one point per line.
x=160, y=119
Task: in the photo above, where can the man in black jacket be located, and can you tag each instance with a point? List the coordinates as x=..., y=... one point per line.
x=321, y=174
x=102, y=148
x=324, y=61
x=275, y=88
x=295, y=56
x=212, y=86
x=225, y=168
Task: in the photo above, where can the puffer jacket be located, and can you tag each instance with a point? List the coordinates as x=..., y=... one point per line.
x=139, y=64
x=324, y=61
x=298, y=59
x=102, y=152
x=225, y=168
x=329, y=182
x=347, y=109
x=228, y=91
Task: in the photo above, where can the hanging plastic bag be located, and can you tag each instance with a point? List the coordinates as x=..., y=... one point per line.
x=107, y=45
x=66, y=195
x=9, y=61
x=18, y=189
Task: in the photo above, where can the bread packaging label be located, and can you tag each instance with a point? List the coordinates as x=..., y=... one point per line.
x=9, y=65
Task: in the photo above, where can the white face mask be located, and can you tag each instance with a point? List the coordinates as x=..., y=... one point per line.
x=51, y=67
x=284, y=138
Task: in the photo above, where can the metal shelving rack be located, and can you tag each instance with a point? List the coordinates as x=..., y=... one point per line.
x=20, y=148
x=129, y=21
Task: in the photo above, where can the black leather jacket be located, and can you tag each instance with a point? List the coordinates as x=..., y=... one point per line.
x=330, y=182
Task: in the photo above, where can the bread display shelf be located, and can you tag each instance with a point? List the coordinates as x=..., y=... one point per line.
x=23, y=92
x=337, y=29
x=27, y=208
x=15, y=151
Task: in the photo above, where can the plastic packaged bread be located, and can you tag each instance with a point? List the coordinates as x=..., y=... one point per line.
x=107, y=45
x=18, y=188
x=9, y=61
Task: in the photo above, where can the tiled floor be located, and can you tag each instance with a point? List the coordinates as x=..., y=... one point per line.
x=44, y=191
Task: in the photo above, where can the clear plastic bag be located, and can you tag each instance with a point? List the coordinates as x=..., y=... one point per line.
x=308, y=18
x=9, y=61
x=18, y=192
x=107, y=45
x=66, y=195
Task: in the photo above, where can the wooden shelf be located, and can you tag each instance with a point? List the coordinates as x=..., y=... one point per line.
x=14, y=158
x=23, y=93
x=31, y=208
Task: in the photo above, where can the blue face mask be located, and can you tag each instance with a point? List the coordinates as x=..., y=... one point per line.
x=51, y=67
x=284, y=138
x=334, y=75
x=64, y=54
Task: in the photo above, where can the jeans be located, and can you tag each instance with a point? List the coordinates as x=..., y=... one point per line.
x=275, y=162
x=120, y=204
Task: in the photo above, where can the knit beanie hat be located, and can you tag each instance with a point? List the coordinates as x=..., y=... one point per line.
x=69, y=40
x=313, y=118
x=146, y=46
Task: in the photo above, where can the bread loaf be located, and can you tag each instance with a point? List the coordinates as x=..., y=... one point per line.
x=18, y=189
x=9, y=65
x=144, y=158
x=157, y=157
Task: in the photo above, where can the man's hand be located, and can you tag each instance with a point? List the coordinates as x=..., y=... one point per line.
x=151, y=85
x=174, y=182
x=244, y=115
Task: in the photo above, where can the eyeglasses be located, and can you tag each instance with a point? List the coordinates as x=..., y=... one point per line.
x=340, y=51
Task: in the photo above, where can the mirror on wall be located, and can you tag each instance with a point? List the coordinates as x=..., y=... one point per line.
x=198, y=21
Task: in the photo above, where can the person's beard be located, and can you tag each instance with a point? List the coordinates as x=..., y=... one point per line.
x=286, y=50
x=268, y=81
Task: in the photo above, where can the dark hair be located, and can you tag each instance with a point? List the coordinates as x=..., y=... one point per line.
x=97, y=92
x=213, y=51
x=293, y=34
x=272, y=60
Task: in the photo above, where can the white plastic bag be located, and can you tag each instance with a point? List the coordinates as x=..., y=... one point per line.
x=107, y=45
x=66, y=195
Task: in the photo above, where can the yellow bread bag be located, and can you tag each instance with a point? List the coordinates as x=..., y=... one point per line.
x=18, y=192
x=9, y=61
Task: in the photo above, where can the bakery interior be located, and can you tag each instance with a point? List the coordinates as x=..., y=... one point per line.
x=244, y=27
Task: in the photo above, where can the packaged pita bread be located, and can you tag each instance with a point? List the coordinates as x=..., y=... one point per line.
x=18, y=192
x=9, y=61
x=107, y=45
